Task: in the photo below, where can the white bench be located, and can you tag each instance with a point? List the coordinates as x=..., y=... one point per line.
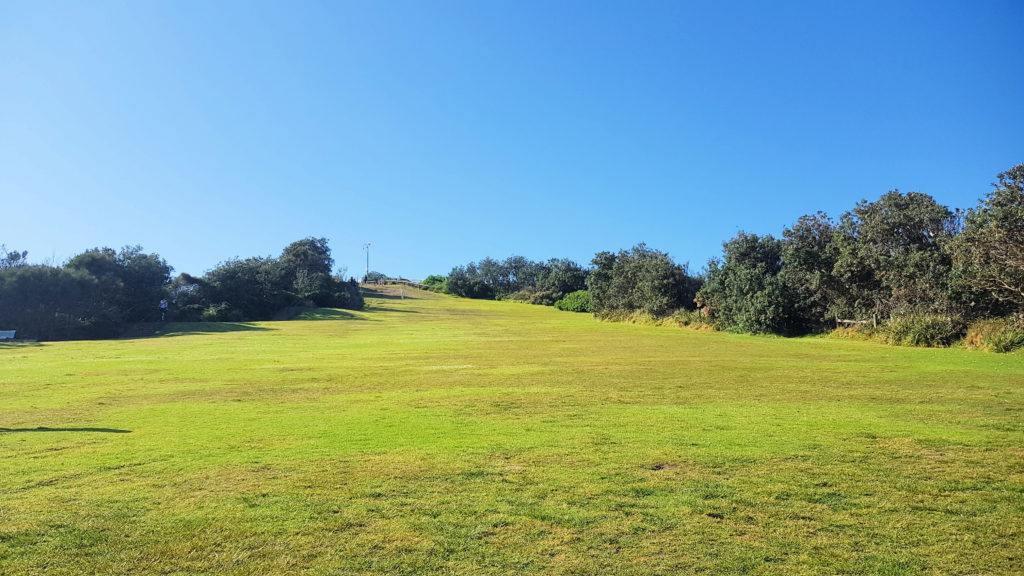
x=7, y=334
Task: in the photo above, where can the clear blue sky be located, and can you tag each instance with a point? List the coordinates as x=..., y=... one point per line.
x=444, y=132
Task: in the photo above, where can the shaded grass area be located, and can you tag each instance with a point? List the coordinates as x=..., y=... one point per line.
x=455, y=436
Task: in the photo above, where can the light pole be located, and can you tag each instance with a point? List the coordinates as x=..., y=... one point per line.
x=366, y=247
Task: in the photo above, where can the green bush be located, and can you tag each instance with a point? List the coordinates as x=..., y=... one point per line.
x=436, y=283
x=525, y=295
x=222, y=312
x=578, y=301
x=544, y=298
x=745, y=291
x=532, y=296
x=996, y=335
x=640, y=278
x=931, y=330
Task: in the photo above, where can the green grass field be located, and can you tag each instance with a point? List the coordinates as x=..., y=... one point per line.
x=435, y=435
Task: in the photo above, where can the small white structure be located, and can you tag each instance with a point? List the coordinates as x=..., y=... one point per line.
x=7, y=334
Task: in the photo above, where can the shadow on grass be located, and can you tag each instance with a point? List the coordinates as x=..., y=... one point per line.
x=372, y=308
x=19, y=344
x=46, y=429
x=373, y=293
x=187, y=328
x=315, y=314
x=328, y=314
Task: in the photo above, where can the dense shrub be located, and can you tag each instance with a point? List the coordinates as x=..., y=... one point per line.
x=131, y=284
x=436, y=283
x=531, y=295
x=47, y=303
x=558, y=277
x=374, y=277
x=745, y=291
x=932, y=330
x=515, y=278
x=222, y=312
x=690, y=318
x=989, y=254
x=467, y=282
x=258, y=288
x=862, y=332
x=808, y=263
x=889, y=257
x=345, y=295
x=639, y=279
x=254, y=287
x=996, y=335
x=95, y=295
x=578, y=301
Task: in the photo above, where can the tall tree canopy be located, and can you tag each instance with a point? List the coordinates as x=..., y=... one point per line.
x=517, y=278
x=745, y=291
x=639, y=279
x=808, y=262
x=12, y=259
x=131, y=282
x=989, y=253
x=890, y=257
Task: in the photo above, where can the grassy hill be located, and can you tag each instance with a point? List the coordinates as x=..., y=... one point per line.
x=431, y=435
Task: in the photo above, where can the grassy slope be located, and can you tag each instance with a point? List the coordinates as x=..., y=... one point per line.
x=436, y=435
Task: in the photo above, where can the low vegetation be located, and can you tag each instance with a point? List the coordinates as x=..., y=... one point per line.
x=996, y=335
x=578, y=301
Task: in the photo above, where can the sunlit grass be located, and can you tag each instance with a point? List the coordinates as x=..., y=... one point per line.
x=438, y=435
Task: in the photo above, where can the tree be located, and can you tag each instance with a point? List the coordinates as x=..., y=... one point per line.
x=436, y=283
x=145, y=278
x=639, y=279
x=12, y=259
x=131, y=283
x=989, y=253
x=517, y=278
x=187, y=294
x=560, y=277
x=808, y=260
x=466, y=281
x=495, y=275
x=890, y=258
x=246, y=290
x=305, y=269
x=745, y=290
x=47, y=303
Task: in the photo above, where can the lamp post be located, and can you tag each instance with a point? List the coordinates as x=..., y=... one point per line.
x=366, y=247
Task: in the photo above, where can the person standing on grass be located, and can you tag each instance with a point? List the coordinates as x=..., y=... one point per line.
x=163, y=309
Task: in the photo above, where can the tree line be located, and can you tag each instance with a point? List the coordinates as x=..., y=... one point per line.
x=100, y=292
x=920, y=269
x=638, y=279
x=901, y=256
x=514, y=278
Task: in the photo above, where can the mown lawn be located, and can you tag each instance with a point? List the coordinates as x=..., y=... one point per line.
x=434, y=435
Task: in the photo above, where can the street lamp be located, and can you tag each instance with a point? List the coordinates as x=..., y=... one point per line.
x=366, y=247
